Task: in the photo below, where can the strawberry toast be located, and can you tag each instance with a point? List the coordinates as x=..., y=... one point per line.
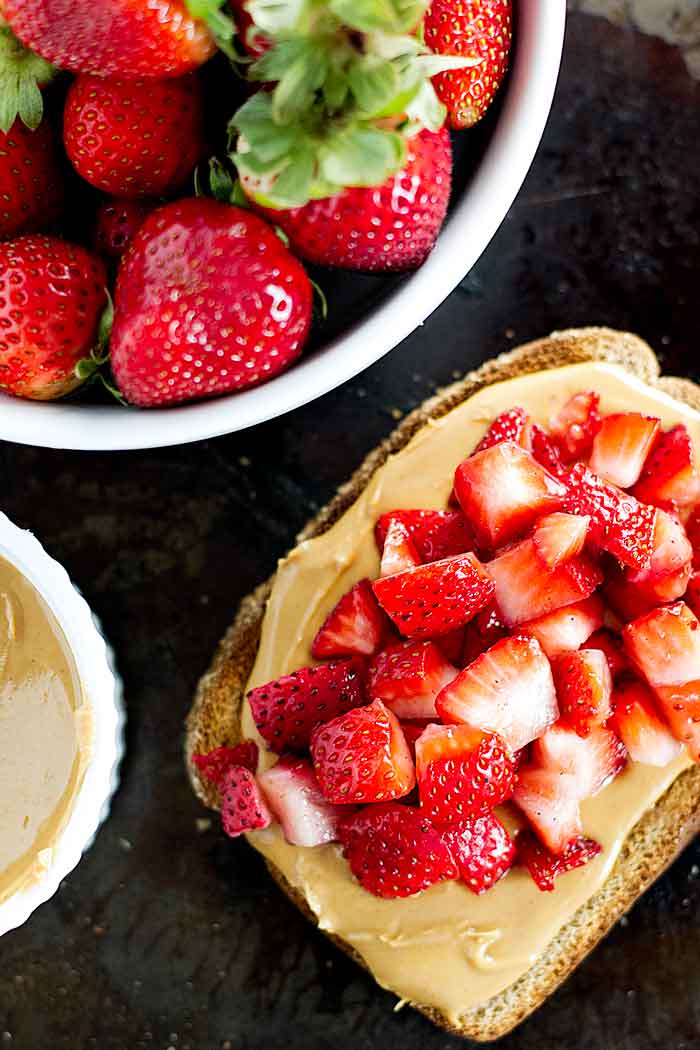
x=461, y=723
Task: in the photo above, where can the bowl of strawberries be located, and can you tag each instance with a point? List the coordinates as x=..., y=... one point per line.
x=213, y=212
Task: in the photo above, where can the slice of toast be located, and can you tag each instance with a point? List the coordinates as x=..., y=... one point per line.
x=655, y=841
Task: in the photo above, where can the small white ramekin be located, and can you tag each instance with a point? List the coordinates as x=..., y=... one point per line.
x=102, y=688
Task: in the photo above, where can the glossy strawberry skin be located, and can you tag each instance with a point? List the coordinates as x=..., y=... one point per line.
x=398, y=550
x=461, y=772
x=243, y=806
x=584, y=685
x=670, y=476
x=213, y=765
x=31, y=181
x=545, y=866
x=116, y=223
x=355, y=626
x=407, y=678
x=208, y=300
x=575, y=425
x=511, y=425
x=567, y=628
x=621, y=445
x=436, y=534
x=482, y=849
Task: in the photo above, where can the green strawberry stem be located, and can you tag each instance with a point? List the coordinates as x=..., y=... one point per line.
x=220, y=24
x=22, y=75
x=91, y=369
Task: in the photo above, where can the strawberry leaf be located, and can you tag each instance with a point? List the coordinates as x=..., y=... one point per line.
x=389, y=16
x=362, y=156
x=22, y=73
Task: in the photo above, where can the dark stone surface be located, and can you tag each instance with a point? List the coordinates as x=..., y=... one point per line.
x=170, y=936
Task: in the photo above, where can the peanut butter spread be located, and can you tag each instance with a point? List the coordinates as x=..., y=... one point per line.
x=444, y=947
x=45, y=732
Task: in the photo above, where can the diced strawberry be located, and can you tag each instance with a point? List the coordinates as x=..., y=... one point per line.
x=545, y=866
x=508, y=690
x=627, y=600
x=482, y=849
x=610, y=644
x=692, y=593
x=545, y=452
x=621, y=445
x=482, y=632
x=436, y=598
x=667, y=574
x=670, y=475
x=362, y=756
x=559, y=537
x=549, y=800
x=593, y=761
x=296, y=800
x=575, y=425
x=568, y=628
x=681, y=706
x=511, y=425
x=503, y=490
x=398, y=552
x=461, y=771
x=394, y=851
x=354, y=626
x=692, y=531
x=525, y=590
x=243, y=806
x=214, y=764
x=412, y=731
x=584, y=684
x=437, y=534
x=636, y=721
x=619, y=524
x=408, y=677
x=452, y=645
x=287, y=710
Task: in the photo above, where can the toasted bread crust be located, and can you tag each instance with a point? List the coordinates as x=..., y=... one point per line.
x=656, y=839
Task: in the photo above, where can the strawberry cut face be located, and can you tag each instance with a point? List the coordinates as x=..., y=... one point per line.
x=566, y=629
x=545, y=866
x=436, y=534
x=584, y=684
x=669, y=476
x=575, y=425
x=408, y=677
x=399, y=552
x=461, y=771
x=550, y=801
x=621, y=445
x=637, y=722
x=293, y=795
x=592, y=761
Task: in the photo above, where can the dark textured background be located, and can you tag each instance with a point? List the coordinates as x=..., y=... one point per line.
x=169, y=936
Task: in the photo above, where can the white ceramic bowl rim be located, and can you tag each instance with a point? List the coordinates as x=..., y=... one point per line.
x=94, y=662
x=480, y=211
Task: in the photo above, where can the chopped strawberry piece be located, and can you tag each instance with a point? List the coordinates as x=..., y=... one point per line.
x=628, y=601
x=511, y=425
x=437, y=534
x=412, y=731
x=295, y=798
x=545, y=866
x=436, y=598
x=549, y=799
x=362, y=756
x=610, y=644
x=214, y=764
x=398, y=552
x=559, y=537
x=482, y=632
x=621, y=445
x=575, y=425
x=619, y=524
x=584, y=684
x=636, y=721
x=525, y=590
x=503, y=490
x=670, y=476
x=482, y=849
x=593, y=761
x=287, y=710
x=692, y=593
x=568, y=628
x=408, y=677
x=461, y=771
x=667, y=574
x=243, y=806
x=452, y=645
x=692, y=531
x=354, y=626
x=545, y=452
x=508, y=690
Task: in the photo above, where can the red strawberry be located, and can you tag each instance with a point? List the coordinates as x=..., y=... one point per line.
x=112, y=37
x=480, y=30
x=433, y=599
x=208, y=300
x=362, y=756
x=134, y=138
x=287, y=710
x=254, y=42
x=592, y=761
x=611, y=644
x=482, y=849
x=116, y=222
x=545, y=451
x=214, y=764
x=31, y=181
x=355, y=626
x=545, y=866
x=408, y=677
x=575, y=425
x=482, y=632
x=559, y=537
x=398, y=551
x=628, y=601
x=511, y=425
x=667, y=574
x=621, y=445
x=584, y=684
x=637, y=722
x=292, y=793
x=452, y=646
x=243, y=806
x=394, y=851
x=508, y=690
x=412, y=731
x=386, y=228
x=52, y=295
x=692, y=529
x=503, y=490
x=461, y=771
x=692, y=593
x=549, y=800
x=525, y=590
x=436, y=534
x=670, y=475
x=568, y=628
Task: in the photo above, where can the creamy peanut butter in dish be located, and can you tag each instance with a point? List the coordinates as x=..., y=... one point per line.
x=444, y=946
x=45, y=732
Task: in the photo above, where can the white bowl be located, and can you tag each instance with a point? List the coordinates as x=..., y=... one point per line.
x=481, y=209
x=94, y=663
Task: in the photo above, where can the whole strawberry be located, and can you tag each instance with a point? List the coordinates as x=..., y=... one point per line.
x=475, y=29
x=116, y=222
x=31, y=182
x=208, y=300
x=132, y=38
x=52, y=295
x=387, y=228
x=134, y=138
